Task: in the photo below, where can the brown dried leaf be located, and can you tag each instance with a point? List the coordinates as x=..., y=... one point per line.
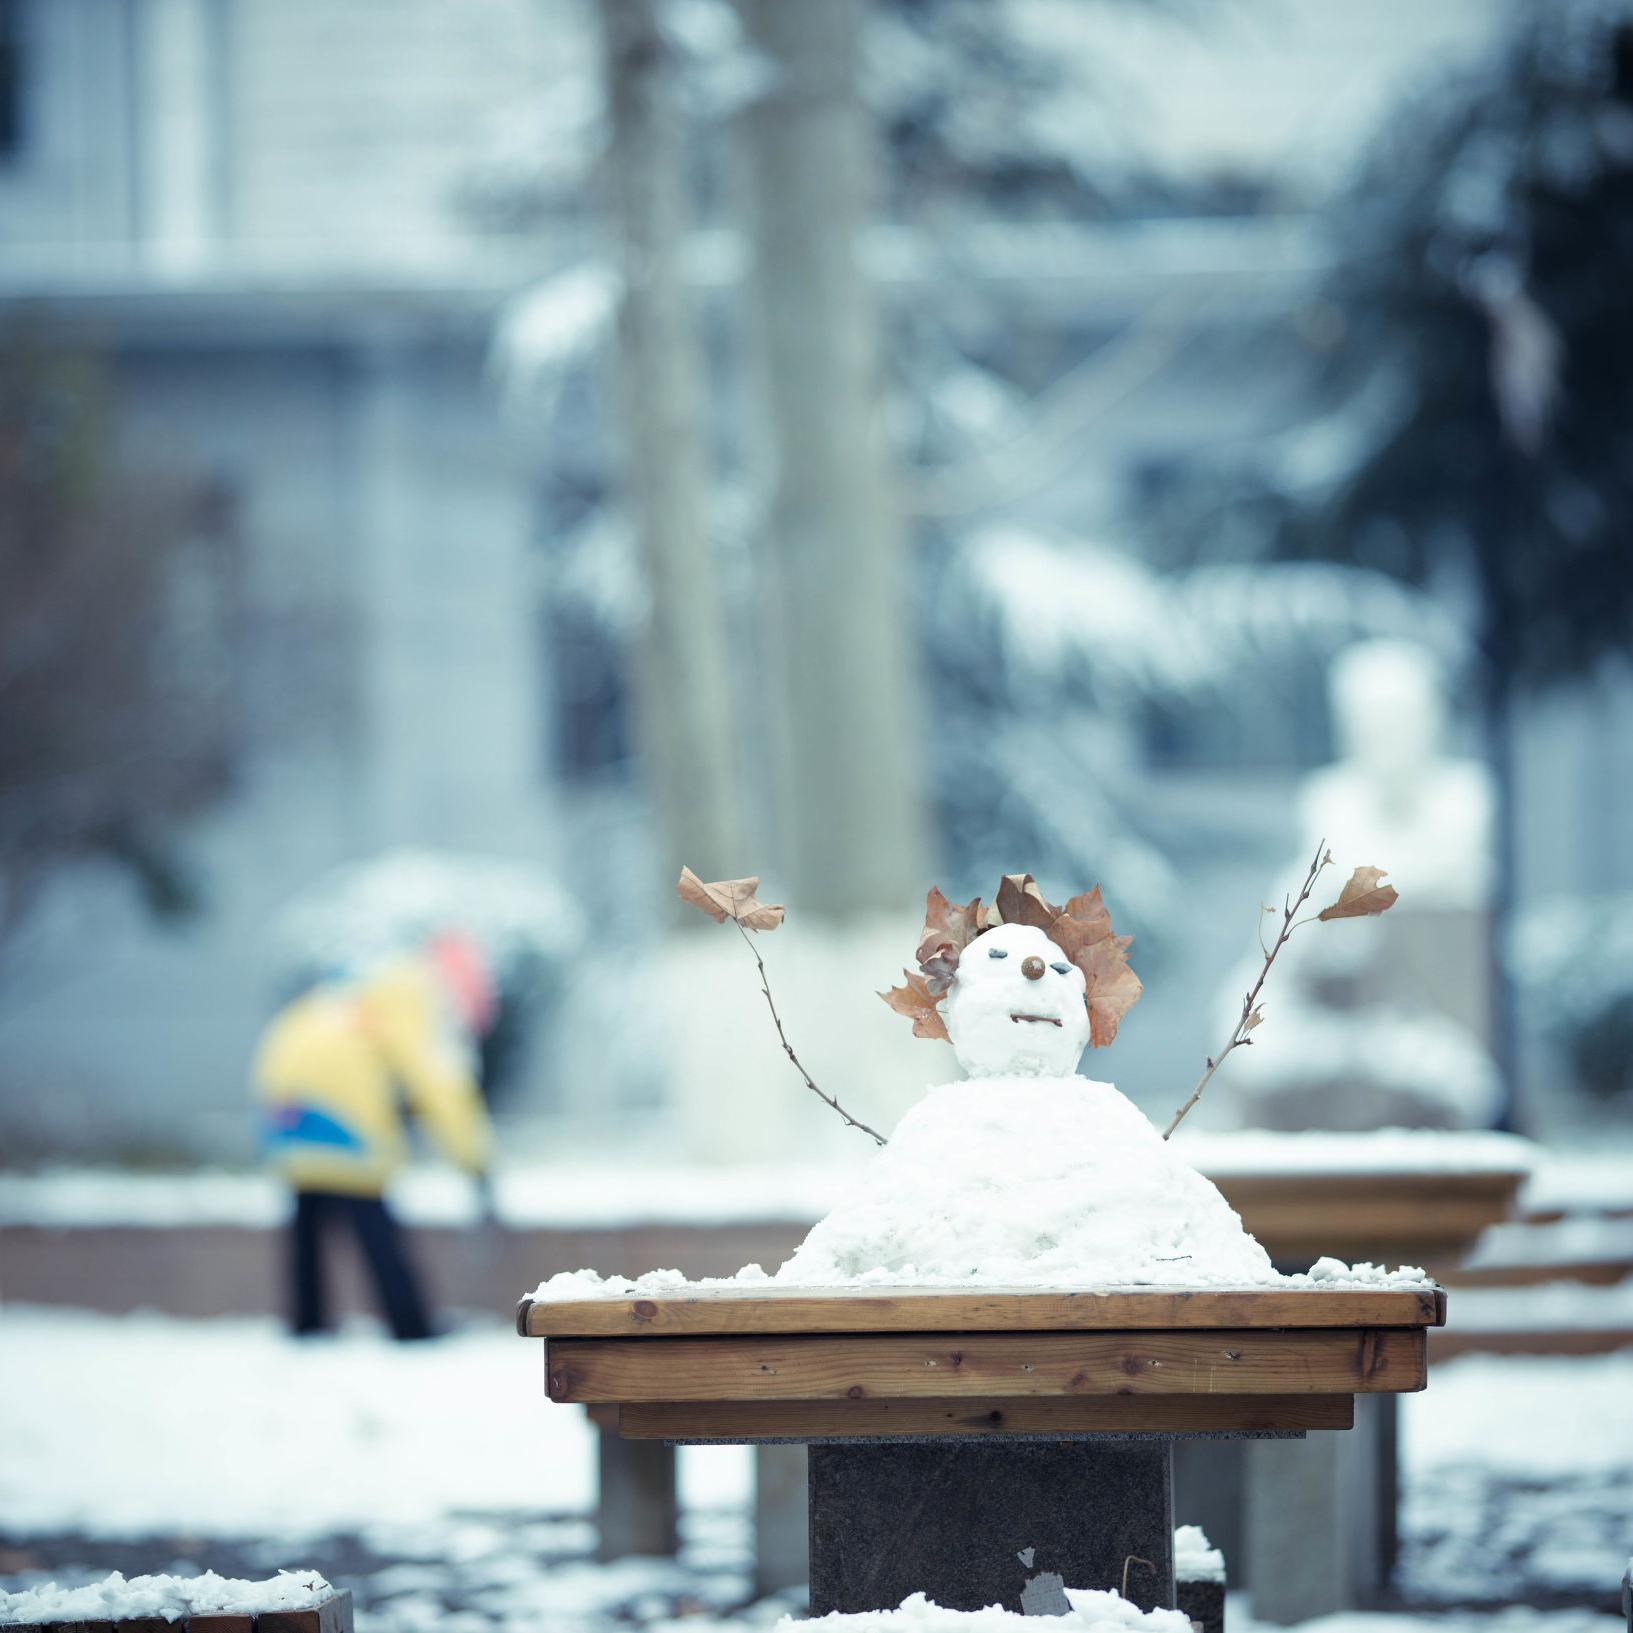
x=729, y=899
x=1090, y=914
x=1112, y=986
x=916, y=1001
x=948, y=930
x=1083, y=932
x=1363, y=897
x=1021, y=902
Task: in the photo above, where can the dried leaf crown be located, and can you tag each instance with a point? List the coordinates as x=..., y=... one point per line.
x=1081, y=929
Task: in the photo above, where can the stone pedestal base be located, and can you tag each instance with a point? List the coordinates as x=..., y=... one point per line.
x=636, y=1509
x=782, y=1556
x=951, y=1519
x=1320, y=1518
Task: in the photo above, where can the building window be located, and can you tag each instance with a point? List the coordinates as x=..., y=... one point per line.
x=11, y=78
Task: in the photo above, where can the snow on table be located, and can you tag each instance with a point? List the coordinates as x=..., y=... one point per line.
x=1589, y=1240
x=1549, y=1307
x=174, y=1598
x=1221, y=1155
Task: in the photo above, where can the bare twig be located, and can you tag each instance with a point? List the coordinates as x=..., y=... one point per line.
x=1134, y=1559
x=788, y=1048
x=1250, y=1014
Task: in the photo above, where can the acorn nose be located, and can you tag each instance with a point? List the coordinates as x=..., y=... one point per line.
x=1032, y=968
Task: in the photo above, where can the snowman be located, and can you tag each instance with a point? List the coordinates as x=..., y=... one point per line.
x=1025, y=1173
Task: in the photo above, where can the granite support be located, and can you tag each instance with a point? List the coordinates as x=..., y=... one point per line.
x=1212, y=1478
x=636, y=1510
x=1203, y=1603
x=953, y=1519
x=782, y=1542
x=1315, y=1521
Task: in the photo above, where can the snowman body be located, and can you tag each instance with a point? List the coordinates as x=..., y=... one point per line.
x=1027, y=1174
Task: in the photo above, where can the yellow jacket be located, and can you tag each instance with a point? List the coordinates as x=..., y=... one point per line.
x=336, y=1068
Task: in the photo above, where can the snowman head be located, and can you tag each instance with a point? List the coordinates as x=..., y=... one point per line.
x=1020, y=987
x=1017, y=1007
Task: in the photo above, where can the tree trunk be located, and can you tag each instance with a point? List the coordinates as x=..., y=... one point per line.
x=684, y=714
x=837, y=621
x=1497, y=703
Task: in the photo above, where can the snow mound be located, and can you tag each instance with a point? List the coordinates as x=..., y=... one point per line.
x=1093, y=1611
x=1195, y=1558
x=173, y=1597
x=1055, y=1181
x=1020, y=1182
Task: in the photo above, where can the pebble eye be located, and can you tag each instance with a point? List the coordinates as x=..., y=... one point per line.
x=1059, y=969
x=997, y=952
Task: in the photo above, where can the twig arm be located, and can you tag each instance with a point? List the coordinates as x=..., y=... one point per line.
x=1249, y=1018
x=788, y=1048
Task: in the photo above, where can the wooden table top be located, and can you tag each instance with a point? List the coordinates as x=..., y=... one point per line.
x=723, y=1311
x=810, y=1363
x=1416, y=1217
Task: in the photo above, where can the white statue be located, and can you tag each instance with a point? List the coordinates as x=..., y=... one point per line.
x=1395, y=791
x=1388, y=1024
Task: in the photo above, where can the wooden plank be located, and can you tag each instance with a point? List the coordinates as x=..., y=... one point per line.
x=906, y=1365
x=1602, y=1340
x=731, y=1310
x=333, y=1615
x=1379, y=1216
x=736, y=1421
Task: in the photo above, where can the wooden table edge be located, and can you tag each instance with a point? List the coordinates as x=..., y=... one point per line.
x=892, y=1366
x=728, y=1312
x=992, y=1417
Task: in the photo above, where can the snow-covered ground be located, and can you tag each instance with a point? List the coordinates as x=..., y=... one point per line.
x=611, y=1190
x=437, y=1483
x=124, y=1426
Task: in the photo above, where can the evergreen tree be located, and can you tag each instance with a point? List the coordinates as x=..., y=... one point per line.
x=1487, y=352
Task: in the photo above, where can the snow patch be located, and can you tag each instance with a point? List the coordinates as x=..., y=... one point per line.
x=1092, y=1611
x=172, y=1597
x=1195, y=1558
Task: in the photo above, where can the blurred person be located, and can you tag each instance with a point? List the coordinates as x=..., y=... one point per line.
x=336, y=1071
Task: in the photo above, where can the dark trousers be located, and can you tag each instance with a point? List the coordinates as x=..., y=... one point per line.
x=396, y=1285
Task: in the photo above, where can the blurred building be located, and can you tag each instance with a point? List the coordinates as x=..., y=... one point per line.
x=247, y=211
x=261, y=213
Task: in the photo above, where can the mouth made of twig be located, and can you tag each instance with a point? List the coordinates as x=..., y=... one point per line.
x=1048, y=1020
